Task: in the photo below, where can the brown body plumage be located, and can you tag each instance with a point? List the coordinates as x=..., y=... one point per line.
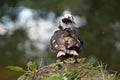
x=66, y=43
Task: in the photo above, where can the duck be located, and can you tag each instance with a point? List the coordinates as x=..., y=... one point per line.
x=65, y=41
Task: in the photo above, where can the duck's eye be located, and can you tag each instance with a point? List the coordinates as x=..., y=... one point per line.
x=68, y=17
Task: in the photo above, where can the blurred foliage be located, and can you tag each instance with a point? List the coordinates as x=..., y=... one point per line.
x=11, y=48
x=7, y=8
x=76, y=6
x=98, y=34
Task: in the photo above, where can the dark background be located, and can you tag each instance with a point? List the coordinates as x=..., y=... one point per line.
x=101, y=33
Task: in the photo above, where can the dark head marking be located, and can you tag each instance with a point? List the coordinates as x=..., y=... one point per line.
x=66, y=20
x=60, y=27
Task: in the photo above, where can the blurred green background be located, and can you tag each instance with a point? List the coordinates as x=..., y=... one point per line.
x=27, y=25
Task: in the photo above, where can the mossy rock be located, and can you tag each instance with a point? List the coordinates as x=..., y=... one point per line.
x=83, y=70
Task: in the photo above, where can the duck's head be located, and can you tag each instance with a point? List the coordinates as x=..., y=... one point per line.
x=66, y=21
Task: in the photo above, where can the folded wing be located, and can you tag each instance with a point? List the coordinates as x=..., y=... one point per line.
x=66, y=42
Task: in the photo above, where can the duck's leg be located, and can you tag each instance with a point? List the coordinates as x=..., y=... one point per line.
x=76, y=57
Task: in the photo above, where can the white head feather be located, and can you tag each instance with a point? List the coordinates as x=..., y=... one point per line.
x=68, y=16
